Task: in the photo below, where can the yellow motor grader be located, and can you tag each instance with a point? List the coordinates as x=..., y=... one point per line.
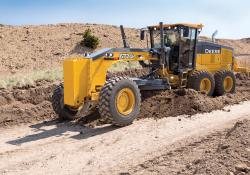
x=176, y=59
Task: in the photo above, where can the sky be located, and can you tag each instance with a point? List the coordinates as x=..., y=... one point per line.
x=230, y=17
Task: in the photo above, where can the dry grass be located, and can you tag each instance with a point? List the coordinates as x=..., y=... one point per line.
x=30, y=78
x=53, y=75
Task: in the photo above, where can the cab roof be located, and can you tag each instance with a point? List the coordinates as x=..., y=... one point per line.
x=196, y=26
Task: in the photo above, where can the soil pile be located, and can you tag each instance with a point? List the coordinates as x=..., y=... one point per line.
x=225, y=152
x=32, y=103
x=26, y=104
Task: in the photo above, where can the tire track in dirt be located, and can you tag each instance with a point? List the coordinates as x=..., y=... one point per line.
x=62, y=148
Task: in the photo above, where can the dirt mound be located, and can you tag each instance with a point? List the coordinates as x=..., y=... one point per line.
x=32, y=103
x=220, y=153
x=242, y=76
x=160, y=104
x=26, y=104
x=185, y=101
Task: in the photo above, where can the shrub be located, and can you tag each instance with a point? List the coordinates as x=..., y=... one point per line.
x=89, y=40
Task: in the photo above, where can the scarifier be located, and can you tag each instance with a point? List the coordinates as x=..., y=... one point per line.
x=176, y=59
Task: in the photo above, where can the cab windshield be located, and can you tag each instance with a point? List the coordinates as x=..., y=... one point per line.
x=170, y=38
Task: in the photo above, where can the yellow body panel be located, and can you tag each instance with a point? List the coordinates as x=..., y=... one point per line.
x=215, y=62
x=74, y=88
x=84, y=77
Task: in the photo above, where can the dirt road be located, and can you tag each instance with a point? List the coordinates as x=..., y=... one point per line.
x=63, y=148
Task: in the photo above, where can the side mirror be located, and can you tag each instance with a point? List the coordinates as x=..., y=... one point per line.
x=142, y=35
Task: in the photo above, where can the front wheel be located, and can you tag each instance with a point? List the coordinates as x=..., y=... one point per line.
x=120, y=101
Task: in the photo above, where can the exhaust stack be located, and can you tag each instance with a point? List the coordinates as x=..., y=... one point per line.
x=213, y=35
x=124, y=39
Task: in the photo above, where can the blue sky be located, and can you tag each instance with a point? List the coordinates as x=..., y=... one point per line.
x=230, y=17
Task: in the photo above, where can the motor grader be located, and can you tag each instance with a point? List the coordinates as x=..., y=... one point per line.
x=176, y=59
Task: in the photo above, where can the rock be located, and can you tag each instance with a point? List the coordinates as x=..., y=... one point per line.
x=1, y=36
x=80, y=33
x=57, y=53
x=3, y=101
x=197, y=161
x=242, y=167
x=105, y=35
x=188, y=166
x=241, y=173
x=67, y=38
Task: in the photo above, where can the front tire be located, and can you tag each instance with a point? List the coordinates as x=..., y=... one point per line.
x=120, y=101
x=60, y=109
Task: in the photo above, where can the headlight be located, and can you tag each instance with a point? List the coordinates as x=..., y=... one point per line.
x=109, y=55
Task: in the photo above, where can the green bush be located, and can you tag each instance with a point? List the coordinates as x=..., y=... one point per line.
x=89, y=40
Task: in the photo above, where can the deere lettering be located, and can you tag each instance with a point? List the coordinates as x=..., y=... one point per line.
x=212, y=51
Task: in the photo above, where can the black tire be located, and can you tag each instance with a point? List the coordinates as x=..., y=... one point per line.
x=219, y=77
x=60, y=109
x=195, y=79
x=107, y=101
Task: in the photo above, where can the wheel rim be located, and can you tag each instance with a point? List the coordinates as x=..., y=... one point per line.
x=205, y=85
x=228, y=84
x=125, y=101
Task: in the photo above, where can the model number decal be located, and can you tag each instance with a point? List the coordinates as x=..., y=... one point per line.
x=126, y=56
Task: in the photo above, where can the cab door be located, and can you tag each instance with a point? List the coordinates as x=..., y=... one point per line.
x=187, y=47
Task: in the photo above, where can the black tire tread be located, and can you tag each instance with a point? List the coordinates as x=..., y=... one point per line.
x=219, y=78
x=104, y=100
x=194, y=83
x=62, y=112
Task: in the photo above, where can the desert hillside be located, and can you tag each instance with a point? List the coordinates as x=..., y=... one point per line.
x=26, y=48
x=29, y=48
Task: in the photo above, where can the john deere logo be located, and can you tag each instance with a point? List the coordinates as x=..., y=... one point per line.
x=212, y=51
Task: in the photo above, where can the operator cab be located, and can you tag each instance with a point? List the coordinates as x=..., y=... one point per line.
x=179, y=44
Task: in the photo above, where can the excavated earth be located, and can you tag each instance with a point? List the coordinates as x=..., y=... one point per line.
x=32, y=103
